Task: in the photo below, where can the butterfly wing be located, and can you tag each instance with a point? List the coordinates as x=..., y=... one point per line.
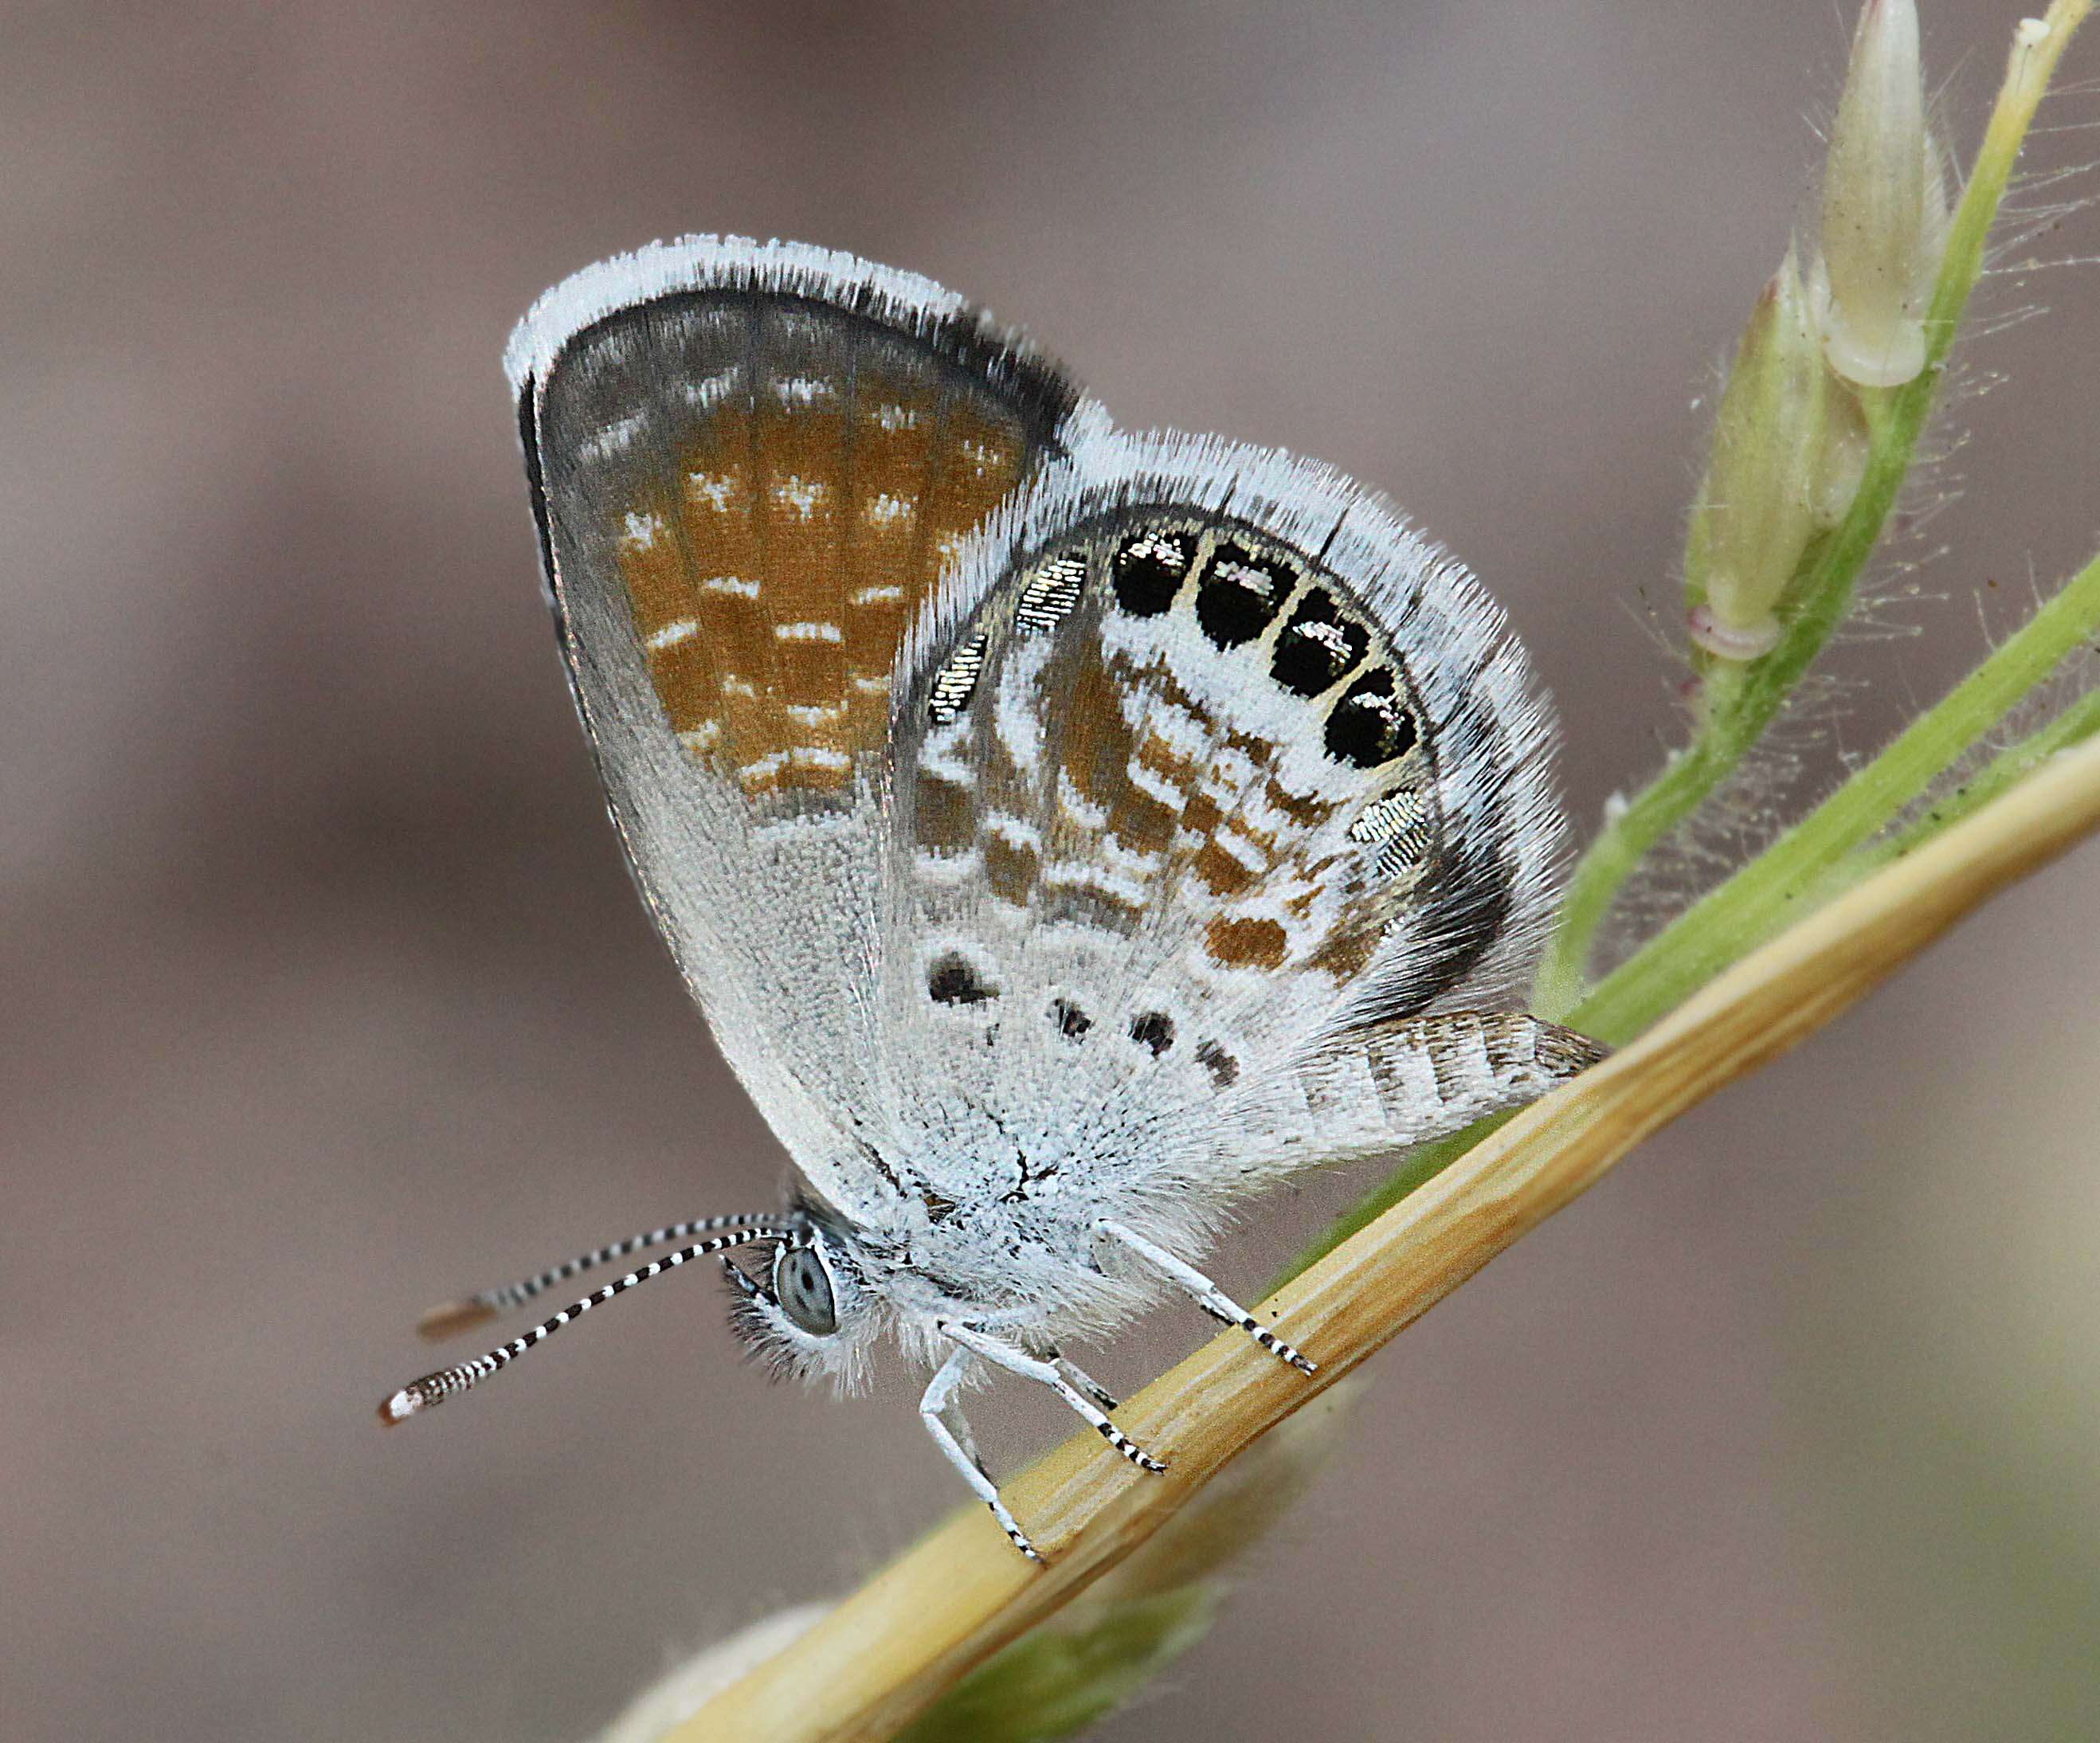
x=1213, y=779
x=749, y=465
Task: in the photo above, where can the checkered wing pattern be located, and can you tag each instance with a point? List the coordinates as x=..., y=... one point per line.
x=751, y=465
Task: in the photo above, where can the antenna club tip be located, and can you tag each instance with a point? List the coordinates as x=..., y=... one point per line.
x=401, y=1407
x=451, y=1317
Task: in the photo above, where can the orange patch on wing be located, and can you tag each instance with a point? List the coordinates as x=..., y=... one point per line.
x=1300, y=808
x=1159, y=757
x=1346, y=952
x=943, y=815
x=811, y=518
x=1246, y=943
x=1222, y=875
x=1096, y=743
x=1010, y=869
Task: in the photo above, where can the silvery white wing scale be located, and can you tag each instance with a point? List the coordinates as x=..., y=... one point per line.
x=1067, y=833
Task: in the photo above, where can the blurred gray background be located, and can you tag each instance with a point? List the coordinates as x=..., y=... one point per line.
x=325, y=995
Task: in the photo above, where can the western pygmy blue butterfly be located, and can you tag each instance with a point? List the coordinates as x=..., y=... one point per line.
x=1067, y=832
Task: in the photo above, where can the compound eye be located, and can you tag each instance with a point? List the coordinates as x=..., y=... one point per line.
x=802, y=1285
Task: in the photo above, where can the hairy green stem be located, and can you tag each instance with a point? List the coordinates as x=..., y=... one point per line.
x=1801, y=867
x=1812, y=861
x=2074, y=725
x=1741, y=702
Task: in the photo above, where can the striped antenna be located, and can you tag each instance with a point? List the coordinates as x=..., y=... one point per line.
x=434, y=1388
x=456, y=1317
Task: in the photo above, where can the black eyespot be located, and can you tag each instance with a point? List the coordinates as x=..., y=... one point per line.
x=1317, y=645
x=953, y=980
x=1071, y=1020
x=802, y=1286
x=1225, y=1070
x=1152, y=1029
x=1240, y=593
x=1147, y=571
x=1371, y=724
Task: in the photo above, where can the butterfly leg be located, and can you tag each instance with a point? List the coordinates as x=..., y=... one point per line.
x=1016, y=1361
x=944, y=1420
x=1202, y=1291
x=1084, y=1381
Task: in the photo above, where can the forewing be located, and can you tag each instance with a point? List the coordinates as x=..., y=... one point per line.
x=750, y=465
x=1208, y=763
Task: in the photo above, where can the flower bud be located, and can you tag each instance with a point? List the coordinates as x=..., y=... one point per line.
x=1885, y=210
x=1759, y=504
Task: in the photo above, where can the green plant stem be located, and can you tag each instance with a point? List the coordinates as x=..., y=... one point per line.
x=1812, y=861
x=2011, y=765
x=1803, y=865
x=1740, y=702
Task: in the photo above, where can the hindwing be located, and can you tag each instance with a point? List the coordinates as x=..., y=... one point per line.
x=1206, y=762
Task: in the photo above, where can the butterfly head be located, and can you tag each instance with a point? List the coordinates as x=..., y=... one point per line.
x=807, y=1311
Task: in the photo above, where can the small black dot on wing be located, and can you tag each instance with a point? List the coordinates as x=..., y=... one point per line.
x=1152, y=1029
x=1071, y=1020
x=954, y=980
x=1225, y=1070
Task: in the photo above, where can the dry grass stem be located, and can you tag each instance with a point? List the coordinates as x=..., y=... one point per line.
x=889, y=1650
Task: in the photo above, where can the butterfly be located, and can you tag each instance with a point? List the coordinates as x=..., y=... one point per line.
x=1067, y=832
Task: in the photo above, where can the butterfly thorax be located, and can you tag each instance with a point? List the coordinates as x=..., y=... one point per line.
x=1001, y=1231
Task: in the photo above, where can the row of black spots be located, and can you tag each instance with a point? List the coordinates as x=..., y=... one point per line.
x=1240, y=591
x=1372, y=725
x=956, y=681
x=953, y=979
x=1051, y=593
x=1152, y=1030
x=1317, y=645
x=1148, y=1029
x=1148, y=569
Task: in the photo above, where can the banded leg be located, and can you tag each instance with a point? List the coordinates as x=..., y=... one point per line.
x=1049, y=1373
x=1084, y=1381
x=1203, y=1292
x=944, y=1420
